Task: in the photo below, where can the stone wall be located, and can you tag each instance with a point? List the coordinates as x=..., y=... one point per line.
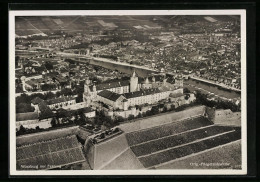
x=89, y=151
x=161, y=119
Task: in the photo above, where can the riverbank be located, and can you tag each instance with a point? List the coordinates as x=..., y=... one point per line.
x=221, y=85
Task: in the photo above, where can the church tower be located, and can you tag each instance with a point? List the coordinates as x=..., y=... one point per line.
x=179, y=81
x=134, y=82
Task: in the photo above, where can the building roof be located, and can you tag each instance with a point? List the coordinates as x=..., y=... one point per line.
x=26, y=116
x=141, y=93
x=109, y=95
x=59, y=100
x=104, y=86
x=57, y=152
x=45, y=111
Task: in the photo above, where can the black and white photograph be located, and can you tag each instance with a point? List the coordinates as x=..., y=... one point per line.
x=127, y=92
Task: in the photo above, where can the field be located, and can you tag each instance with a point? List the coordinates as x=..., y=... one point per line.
x=141, y=136
x=182, y=151
x=107, y=151
x=57, y=152
x=179, y=139
x=230, y=154
x=126, y=160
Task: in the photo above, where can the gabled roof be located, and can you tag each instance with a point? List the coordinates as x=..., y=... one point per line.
x=141, y=93
x=104, y=86
x=109, y=95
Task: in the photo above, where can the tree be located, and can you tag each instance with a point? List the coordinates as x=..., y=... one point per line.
x=130, y=117
x=139, y=115
x=82, y=118
x=155, y=110
x=47, y=87
x=165, y=109
x=116, y=130
x=88, y=120
x=119, y=119
x=22, y=129
x=69, y=61
x=58, y=94
x=102, y=135
x=48, y=65
x=172, y=107
x=187, y=97
x=53, y=122
x=186, y=90
x=66, y=91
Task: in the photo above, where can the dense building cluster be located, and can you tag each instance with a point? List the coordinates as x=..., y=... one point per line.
x=124, y=95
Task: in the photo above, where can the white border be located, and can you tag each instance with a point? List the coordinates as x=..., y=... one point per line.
x=12, y=136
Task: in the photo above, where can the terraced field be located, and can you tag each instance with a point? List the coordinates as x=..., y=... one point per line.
x=178, y=152
x=141, y=136
x=179, y=139
x=57, y=152
x=163, y=144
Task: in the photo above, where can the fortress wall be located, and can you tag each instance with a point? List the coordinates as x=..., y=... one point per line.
x=89, y=151
x=162, y=119
x=227, y=117
x=125, y=161
x=108, y=150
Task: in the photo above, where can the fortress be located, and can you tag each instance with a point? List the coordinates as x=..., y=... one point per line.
x=169, y=141
x=122, y=95
x=166, y=141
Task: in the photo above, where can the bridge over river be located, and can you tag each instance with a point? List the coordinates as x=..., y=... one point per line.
x=127, y=68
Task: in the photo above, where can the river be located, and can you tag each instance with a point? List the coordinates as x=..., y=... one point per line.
x=206, y=88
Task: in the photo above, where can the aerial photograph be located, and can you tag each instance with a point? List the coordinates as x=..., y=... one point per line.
x=129, y=92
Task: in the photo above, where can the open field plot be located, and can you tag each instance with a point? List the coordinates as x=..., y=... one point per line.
x=228, y=156
x=171, y=154
x=166, y=130
x=50, y=154
x=179, y=139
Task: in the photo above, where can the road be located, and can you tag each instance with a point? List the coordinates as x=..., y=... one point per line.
x=214, y=83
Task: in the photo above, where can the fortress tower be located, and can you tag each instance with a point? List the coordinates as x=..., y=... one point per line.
x=133, y=82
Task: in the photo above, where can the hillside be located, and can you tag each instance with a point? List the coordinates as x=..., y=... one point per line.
x=34, y=25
